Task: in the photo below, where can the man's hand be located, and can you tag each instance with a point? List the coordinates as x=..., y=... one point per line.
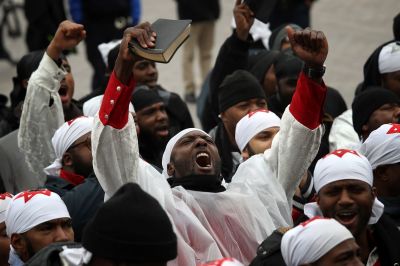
x=125, y=60
x=309, y=45
x=68, y=35
x=244, y=19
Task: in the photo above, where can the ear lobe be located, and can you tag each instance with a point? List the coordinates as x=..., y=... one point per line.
x=66, y=159
x=317, y=199
x=170, y=169
x=245, y=154
x=364, y=130
x=18, y=243
x=222, y=116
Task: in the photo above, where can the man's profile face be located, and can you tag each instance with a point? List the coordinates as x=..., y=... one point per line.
x=346, y=253
x=67, y=87
x=231, y=116
x=387, y=113
x=29, y=243
x=260, y=142
x=81, y=159
x=145, y=73
x=349, y=202
x=4, y=244
x=153, y=121
x=286, y=88
x=194, y=154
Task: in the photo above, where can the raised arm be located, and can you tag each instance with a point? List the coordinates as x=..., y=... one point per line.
x=42, y=112
x=233, y=52
x=300, y=135
x=298, y=140
x=115, y=149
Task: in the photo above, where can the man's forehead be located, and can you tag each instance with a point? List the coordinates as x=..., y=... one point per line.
x=154, y=106
x=55, y=221
x=345, y=183
x=194, y=134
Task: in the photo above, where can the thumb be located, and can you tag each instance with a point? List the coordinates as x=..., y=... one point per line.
x=290, y=33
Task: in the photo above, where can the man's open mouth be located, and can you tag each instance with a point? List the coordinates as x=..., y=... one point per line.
x=162, y=130
x=346, y=217
x=63, y=92
x=203, y=160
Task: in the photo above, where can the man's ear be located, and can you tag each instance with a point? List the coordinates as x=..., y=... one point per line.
x=245, y=154
x=222, y=116
x=18, y=242
x=67, y=159
x=364, y=131
x=317, y=199
x=170, y=169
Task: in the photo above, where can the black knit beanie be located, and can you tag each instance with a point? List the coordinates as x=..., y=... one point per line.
x=143, y=97
x=259, y=64
x=287, y=66
x=365, y=103
x=236, y=87
x=131, y=227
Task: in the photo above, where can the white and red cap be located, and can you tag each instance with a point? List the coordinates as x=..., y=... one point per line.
x=223, y=262
x=30, y=208
x=382, y=147
x=5, y=200
x=311, y=240
x=342, y=164
x=252, y=124
x=389, y=58
x=64, y=137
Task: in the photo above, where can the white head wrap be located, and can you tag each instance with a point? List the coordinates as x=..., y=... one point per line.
x=33, y=207
x=389, y=58
x=382, y=146
x=105, y=48
x=311, y=240
x=338, y=165
x=252, y=124
x=92, y=106
x=65, y=136
x=5, y=200
x=166, y=158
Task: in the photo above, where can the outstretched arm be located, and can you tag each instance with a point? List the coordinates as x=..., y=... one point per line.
x=114, y=141
x=233, y=52
x=302, y=138
x=42, y=112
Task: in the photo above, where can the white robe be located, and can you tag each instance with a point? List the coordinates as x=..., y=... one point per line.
x=214, y=225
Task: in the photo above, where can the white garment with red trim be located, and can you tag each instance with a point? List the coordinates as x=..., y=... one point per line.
x=215, y=225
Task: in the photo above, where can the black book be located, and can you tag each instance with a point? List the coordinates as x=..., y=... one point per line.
x=262, y=8
x=170, y=36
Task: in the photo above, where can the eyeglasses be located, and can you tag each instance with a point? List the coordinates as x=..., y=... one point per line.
x=87, y=142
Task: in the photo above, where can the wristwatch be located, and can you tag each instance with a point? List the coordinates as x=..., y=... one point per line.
x=314, y=73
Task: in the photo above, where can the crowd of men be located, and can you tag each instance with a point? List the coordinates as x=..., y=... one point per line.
x=286, y=174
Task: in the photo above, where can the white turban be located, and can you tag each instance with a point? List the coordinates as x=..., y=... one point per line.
x=382, y=147
x=105, y=48
x=166, y=158
x=65, y=136
x=389, y=58
x=338, y=165
x=252, y=124
x=311, y=240
x=5, y=200
x=33, y=207
x=92, y=106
